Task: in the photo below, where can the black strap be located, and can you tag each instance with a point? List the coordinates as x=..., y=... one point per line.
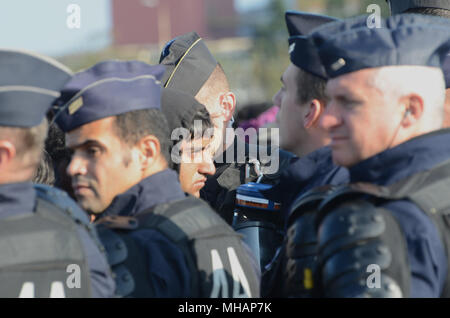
x=430, y=191
x=427, y=189
x=181, y=221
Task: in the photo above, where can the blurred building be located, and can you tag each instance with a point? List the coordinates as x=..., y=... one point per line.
x=157, y=21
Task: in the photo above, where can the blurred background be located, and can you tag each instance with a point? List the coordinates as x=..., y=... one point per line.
x=248, y=37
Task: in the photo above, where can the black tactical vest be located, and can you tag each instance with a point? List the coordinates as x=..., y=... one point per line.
x=429, y=190
x=218, y=263
x=42, y=255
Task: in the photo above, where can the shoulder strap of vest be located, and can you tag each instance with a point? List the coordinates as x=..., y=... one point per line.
x=182, y=221
x=427, y=189
x=58, y=200
x=42, y=227
x=193, y=216
x=430, y=191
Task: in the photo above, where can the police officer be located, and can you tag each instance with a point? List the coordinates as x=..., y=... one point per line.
x=440, y=8
x=191, y=68
x=160, y=243
x=302, y=100
x=385, y=120
x=47, y=247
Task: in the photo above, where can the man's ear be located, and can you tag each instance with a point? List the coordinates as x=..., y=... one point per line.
x=228, y=104
x=149, y=150
x=7, y=153
x=312, y=116
x=414, y=105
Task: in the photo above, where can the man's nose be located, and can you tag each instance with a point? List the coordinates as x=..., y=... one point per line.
x=329, y=118
x=76, y=166
x=207, y=167
x=276, y=98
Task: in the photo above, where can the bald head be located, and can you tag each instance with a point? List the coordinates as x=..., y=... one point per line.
x=396, y=82
x=216, y=84
x=220, y=102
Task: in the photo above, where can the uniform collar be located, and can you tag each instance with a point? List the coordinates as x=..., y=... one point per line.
x=415, y=155
x=17, y=198
x=162, y=187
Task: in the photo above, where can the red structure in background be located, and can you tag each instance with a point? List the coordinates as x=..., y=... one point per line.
x=157, y=21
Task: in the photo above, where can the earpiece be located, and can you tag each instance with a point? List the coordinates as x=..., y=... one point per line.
x=407, y=112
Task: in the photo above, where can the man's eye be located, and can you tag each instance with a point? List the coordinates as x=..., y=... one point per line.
x=351, y=103
x=93, y=151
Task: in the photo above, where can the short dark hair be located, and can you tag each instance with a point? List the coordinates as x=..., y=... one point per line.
x=439, y=12
x=45, y=173
x=310, y=87
x=60, y=155
x=201, y=115
x=134, y=125
x=55, y=144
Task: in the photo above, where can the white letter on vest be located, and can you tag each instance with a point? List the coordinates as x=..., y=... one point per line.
x=238, y=276
x=27, y=290
x=219, y=277
x=57, y=290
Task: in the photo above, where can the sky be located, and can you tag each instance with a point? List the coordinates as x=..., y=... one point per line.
x=244, y=5
x=42, y=25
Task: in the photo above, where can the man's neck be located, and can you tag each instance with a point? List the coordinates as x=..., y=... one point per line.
x=228, y=140
x=16, y=176
x=229, y=135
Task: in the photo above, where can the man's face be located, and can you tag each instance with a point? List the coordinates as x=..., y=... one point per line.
x=290, y=115
x=101, y=166
x=360, y=122
x=196, y=164
x=212, y=105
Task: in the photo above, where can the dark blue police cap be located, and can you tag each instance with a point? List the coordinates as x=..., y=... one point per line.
x=188, y=62
x=399, y=6
x=107, y=89
x=29, y=84
x=302, y=51
x=407, y=39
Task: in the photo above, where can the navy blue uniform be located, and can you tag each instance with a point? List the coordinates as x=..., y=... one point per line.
x=427, y=258
x=20, y=199
x=167, y=268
